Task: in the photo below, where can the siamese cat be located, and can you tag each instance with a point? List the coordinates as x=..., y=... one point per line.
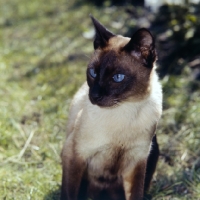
x=111, y=150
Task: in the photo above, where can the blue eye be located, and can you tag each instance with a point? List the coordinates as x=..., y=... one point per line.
x=92, y=73
x=118, y=77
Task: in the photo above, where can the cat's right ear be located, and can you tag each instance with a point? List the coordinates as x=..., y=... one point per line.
x=142, y=45
x=102, y=35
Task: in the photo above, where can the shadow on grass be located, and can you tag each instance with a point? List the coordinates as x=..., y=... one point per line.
x=165, y=186
x=53, y=195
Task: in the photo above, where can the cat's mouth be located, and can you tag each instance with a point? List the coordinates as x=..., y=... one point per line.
x=104, y=101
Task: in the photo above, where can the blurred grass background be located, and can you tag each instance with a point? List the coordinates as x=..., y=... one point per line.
x=44, y=50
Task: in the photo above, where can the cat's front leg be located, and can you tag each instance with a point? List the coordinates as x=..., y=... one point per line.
x=133, y=181
x=73, y=170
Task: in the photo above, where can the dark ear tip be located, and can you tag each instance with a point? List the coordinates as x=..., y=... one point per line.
x=92, y=18
x=145, y=37
x=145, y=31
x=95, y=21
x=102, y=34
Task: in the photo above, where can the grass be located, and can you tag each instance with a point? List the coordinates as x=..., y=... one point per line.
x=43, y=57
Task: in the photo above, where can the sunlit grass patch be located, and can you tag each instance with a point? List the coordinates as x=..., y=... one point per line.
x=44, y=51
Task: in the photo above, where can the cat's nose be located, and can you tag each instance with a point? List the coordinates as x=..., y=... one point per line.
x=96, y=96
x=96, y=93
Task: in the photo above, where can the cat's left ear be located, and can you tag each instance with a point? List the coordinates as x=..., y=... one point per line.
x=142, y=45
x=102, y=35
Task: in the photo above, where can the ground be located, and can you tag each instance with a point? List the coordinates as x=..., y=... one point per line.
x=44, y=51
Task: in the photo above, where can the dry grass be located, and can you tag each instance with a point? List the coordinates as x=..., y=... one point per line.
x=43, y=57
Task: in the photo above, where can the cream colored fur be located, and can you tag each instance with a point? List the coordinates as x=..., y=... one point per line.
x=98, y=132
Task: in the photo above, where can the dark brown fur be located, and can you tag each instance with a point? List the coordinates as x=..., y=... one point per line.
x=138, y=180
x=151, y=163
x=137, y=80
x=72, y=164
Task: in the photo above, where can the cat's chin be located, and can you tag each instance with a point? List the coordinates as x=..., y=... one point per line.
x=104, y=104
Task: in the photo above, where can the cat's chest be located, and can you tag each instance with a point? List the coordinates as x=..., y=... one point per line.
x=122, y=127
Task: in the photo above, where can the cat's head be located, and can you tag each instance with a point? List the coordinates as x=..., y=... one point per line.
x=120, y=68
